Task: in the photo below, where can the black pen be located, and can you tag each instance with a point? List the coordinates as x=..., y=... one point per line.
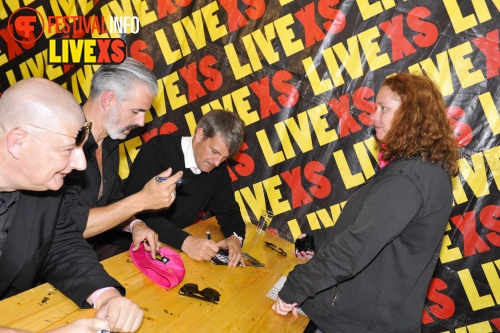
x=208, y=236
x=160, y=179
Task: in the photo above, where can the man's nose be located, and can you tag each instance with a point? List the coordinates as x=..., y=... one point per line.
x=140, y=119
x=219, y=160
x=78, y=160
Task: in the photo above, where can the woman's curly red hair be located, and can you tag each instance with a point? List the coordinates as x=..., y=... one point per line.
x=420, y=127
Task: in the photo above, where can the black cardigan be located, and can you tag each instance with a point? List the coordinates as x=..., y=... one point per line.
x=211, y=190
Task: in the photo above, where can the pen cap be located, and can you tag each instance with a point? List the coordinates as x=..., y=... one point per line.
x=166, y=270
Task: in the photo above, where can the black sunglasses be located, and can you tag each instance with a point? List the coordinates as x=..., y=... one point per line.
x=277, y=249
x=207, y=294
x=80, y=135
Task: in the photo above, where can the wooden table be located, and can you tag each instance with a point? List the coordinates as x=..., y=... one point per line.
x=243, y=305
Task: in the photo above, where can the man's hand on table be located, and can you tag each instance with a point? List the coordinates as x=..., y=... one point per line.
x=283, y=308
x=122, y=314
x=92, y=325
x=233, y=245
x=199, y=249
x=143, y=233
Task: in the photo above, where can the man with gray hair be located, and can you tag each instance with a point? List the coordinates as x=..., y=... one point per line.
x=202, y=159
x=42, y=129
x=120, y=95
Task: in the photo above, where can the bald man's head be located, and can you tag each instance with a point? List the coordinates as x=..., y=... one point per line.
x=39, y=144
x=38, y=102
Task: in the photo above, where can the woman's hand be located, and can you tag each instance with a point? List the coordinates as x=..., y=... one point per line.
x=283, y=308
x=303, y=255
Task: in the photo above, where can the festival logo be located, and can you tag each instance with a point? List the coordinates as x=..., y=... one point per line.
x=26, y=25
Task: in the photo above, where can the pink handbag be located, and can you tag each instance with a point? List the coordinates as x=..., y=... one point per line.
x=166, y=270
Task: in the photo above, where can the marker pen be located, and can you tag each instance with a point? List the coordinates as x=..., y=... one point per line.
x=160, y=179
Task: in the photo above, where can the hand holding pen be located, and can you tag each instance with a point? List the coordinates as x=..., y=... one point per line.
x=159, y=192
x=160, y=179
x=199, y=248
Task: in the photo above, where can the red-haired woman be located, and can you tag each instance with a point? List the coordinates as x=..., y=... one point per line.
x=371, y=270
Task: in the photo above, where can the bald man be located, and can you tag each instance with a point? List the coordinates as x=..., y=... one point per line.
x=42, y=130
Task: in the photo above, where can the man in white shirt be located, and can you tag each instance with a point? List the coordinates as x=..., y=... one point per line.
x=202, y=159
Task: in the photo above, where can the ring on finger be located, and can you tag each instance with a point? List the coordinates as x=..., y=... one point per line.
x=172, y=195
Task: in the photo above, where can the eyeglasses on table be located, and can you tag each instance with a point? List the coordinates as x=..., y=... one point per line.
x=277, y=249
x=207, y=294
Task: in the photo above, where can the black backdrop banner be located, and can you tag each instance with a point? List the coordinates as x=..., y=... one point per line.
x=303, y=76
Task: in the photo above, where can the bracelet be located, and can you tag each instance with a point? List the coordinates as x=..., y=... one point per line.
x=97, y=294
x=131, y=225
x=240, y=238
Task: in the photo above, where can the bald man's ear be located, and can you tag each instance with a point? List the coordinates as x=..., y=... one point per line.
x=15, y=141
x=108, y=98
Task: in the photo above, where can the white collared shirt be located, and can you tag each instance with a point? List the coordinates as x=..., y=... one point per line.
x=187, y=149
